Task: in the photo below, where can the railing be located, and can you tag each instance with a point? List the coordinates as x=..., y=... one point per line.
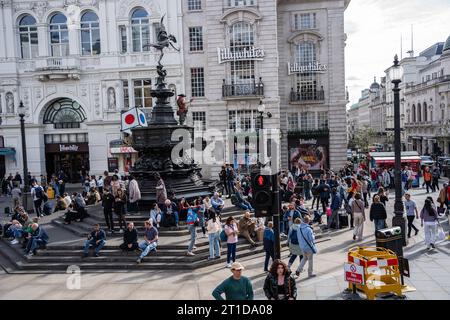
x=307, y=96
x=57, y=63
x=243, y=89
x=412, y=87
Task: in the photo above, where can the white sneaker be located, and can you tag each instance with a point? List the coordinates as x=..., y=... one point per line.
x=190, y=254
x=121, y=231
x=15, y=241
x=228, y=266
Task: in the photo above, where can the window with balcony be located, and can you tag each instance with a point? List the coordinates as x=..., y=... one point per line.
x=195, y=39
x=242, y=37
x=199, y=120
x=90, y=34
x=28, y=37
x=241, y=3
x=198, y=82
x=306, y=83
x=194, y=5
x=293, y=121
x=142, y=93
x=59, y=35
x=305, y=21
x=140, y=30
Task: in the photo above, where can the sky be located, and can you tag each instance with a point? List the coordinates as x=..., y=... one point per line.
x=374, y=29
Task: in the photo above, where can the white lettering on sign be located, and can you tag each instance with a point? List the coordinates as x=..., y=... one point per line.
x=226, y=55
x=310, y=141
x=312, y=67
x=354, y=274
x=64, y=148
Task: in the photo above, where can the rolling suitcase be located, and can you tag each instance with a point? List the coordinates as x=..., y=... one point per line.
x=343, y=220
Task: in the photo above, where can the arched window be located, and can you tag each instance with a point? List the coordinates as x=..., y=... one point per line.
x=59, y=35
x=425, y=112
x=90, y=34
x=140, y=29
x=242, y=36
x=413, y=112
x=419, y=112
x=28, y=37
x=64, y=113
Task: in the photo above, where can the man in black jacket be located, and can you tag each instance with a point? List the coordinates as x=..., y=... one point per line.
x=97, y=239
x=378, y=214
x=108, y=205
x=130, y=238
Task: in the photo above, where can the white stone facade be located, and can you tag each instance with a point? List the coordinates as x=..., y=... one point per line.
x=319, y=23
x=66, y=67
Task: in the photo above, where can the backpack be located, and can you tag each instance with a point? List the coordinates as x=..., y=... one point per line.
x=293, y=238
x=223, y=236
x=315, y=190
x=39, y=192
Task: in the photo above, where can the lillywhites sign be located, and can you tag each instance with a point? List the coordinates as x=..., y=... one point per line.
x=312, y=67
x=226, y=55
x=66, y=148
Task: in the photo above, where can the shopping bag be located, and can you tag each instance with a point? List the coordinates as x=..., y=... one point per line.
x=440, y=233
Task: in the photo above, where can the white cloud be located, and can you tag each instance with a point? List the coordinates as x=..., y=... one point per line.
x=374, y=28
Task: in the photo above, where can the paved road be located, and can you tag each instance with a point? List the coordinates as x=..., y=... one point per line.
x=429, y=275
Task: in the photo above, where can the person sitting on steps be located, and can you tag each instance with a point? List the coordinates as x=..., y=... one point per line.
x=247, y=228
x=130, y=238
x=96, y=239
x=150, y=240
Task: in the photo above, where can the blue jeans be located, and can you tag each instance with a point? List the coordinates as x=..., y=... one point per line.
x=146, y=248
x=379, y=224
x=193, y=234
x=34, y=243
x=231, y=252
x=91, y=242
x=230, y=184
x=245, y=206
x=214, y=245
x=307, y=194
x=17, y=233
x=163, y=216
x=292, y=259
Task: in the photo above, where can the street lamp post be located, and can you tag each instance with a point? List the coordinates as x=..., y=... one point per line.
x=26, y=186
x=396, y=75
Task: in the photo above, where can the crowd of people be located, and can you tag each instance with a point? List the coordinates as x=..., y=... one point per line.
x=333, y=200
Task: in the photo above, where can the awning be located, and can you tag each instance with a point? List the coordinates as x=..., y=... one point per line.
x=122, y=150
x=7, y=151
x=391, y=160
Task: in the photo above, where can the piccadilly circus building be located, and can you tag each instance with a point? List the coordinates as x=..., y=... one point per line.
x=76, y=65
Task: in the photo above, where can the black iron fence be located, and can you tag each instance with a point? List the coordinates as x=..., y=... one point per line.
x=243, y=89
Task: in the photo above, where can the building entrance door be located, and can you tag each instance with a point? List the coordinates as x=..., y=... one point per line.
x=72, y=159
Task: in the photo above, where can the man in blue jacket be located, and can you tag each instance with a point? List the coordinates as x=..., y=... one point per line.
x=269, y=244
x=336, y=204
x=38, y=238
x=97, y=239
x=306, y=238
x=324, y=193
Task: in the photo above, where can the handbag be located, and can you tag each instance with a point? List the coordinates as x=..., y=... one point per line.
x=440, y=236
x=441, y=211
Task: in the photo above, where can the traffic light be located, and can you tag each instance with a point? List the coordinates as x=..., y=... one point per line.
x=262, y=194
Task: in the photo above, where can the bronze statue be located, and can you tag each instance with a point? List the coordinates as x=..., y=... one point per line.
x=164, y=41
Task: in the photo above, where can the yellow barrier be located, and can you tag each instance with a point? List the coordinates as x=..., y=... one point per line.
x=381, y=271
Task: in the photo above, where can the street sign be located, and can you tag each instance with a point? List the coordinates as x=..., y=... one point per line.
x=354, y=274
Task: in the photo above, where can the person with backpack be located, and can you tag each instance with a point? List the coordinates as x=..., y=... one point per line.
x=231, y=231
x=191, y=222
x=294, y=246
x=305, y=235
x=214, y=229
x=269, y=245
x=37, y=192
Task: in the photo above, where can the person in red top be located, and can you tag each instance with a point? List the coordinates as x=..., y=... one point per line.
x=427, y=177
x=182, y=107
